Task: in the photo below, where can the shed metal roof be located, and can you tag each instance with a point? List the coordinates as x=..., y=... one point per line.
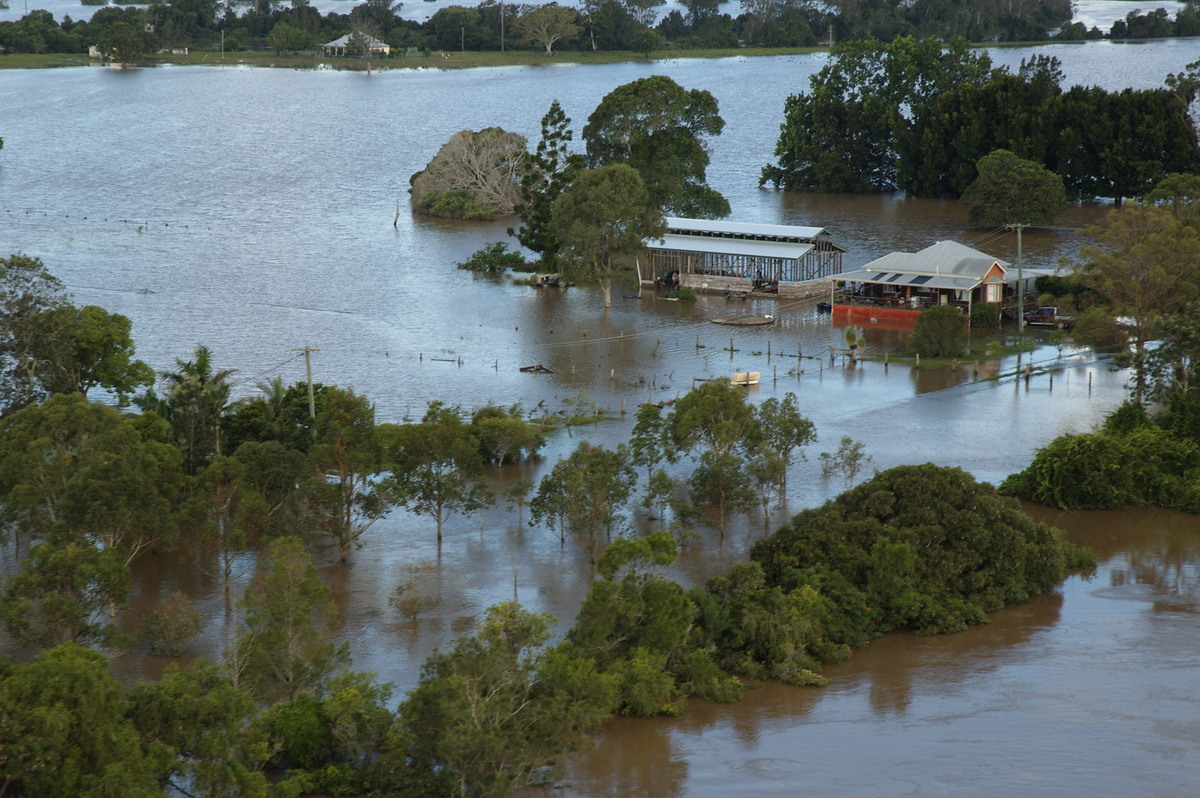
x=732, y=246
x=780, y=231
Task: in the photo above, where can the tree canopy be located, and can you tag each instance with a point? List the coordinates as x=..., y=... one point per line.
x=659, y=128
x=602, y=222
x=475, y=175
x=918, y=115
x=1146, y=266
x=1012, y=190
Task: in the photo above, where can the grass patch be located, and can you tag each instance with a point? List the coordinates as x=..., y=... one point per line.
x=981, y=348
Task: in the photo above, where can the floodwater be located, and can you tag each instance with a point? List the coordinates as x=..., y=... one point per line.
x=252, y=211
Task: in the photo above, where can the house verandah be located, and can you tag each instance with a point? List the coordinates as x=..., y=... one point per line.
x=898, y=286
x=717, y=256
x=342, y=46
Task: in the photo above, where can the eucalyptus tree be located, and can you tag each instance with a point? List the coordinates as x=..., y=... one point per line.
x=499, y=705
x=1180, y=193
x=1146, y=266
x=638, y=626
x=204, y=731
x=714, y=416
x=785, y=431
x=84, y=348
x=647, y=443
x=345, y=494
x=27, y=289
x=286, y=644
x=720, y=429
x=436, y=466
x=65, y=593
x=602, y=222
x=73, y=470
x=584, y=495
x=66, y=730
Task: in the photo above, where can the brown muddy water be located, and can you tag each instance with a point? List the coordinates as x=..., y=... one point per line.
x=1089, y=691
x=252, y=211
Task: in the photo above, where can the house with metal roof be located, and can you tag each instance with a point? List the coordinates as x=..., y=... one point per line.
x=339, y=47
x=719, y=256
x=901, y=284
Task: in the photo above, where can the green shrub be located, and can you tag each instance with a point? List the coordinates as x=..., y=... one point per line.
x=941, y=332
x=175, y=622
x=495, y=258
x=1144, y=466
x=455, y=204
x=927, y=548
x=984, y=316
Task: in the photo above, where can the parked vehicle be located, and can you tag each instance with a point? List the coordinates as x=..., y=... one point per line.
x=1049, y=317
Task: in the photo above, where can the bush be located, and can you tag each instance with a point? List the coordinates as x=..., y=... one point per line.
x=1135, y=466
x=941, y=332
x=495, y=258
x=173, y=624
x=984, y=316
x=455, y=204
x=928, y=548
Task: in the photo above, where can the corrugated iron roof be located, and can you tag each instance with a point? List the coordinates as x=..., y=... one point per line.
x=732, y=246
x=945, y=258
x=900, y=278
x=724, y=228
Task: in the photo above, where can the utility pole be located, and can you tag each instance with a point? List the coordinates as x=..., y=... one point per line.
x=1020, y=280
x=312, y=402
x=501, y=25
x=462, y=39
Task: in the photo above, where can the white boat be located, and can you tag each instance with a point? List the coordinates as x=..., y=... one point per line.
x=746, y=378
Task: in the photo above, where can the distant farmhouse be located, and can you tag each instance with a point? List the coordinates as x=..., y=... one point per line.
x=338, y=47
x=718, y=256
x=899, y=285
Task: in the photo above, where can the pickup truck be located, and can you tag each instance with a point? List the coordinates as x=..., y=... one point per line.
x=1049, y=317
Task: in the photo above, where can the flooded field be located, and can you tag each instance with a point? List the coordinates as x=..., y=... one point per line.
x=252, y=212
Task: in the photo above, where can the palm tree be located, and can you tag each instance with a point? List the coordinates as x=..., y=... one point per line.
x=196, y=398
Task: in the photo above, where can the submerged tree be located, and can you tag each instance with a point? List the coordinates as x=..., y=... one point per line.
x=66, y=730
x=548, y=171
x=920, y=547
x=499, y=706
x=1147, y=267
x=602, y=222
x=344, y=496
x=27, y=291
x=584, y=494
x=436, y=466
x=286, y=646
x=1012, y=190
x=657, y=127
x=65, y=594
x=475, y=175
x=941, y=331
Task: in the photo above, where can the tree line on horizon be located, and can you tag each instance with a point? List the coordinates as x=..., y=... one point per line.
x=133, y=31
